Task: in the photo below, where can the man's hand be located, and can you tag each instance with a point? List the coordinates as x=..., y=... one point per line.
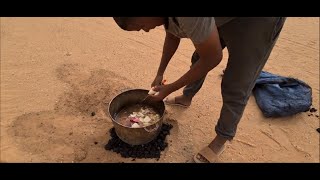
x=164, y=91
x=157, y=81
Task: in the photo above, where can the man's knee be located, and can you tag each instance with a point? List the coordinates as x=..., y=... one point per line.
x=235, y=95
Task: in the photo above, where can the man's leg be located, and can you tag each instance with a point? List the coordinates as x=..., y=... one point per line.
x=249, y=42
x=190, y=90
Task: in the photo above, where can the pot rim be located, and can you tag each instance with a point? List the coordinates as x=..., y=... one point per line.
x=113, y=120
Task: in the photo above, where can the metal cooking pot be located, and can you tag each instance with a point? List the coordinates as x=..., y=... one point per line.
x=135, y=136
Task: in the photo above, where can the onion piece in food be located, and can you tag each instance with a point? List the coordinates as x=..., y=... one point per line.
x=135, y=125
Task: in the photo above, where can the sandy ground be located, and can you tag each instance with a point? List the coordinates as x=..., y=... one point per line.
x=56, y=71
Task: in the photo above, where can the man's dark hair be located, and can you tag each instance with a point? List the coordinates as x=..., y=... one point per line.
x=123, y=21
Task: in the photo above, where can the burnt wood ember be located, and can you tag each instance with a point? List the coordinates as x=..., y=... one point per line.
x=150, y=150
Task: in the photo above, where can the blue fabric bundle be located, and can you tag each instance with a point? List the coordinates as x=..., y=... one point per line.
x=279, y=96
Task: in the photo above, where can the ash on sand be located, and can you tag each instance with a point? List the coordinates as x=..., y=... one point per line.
x=150, y=150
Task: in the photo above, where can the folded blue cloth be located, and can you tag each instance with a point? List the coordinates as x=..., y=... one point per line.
x=279, y=96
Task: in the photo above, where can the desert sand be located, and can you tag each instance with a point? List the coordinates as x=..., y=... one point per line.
x=56, y=71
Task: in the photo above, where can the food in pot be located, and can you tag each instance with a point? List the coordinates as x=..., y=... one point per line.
x=137, y=116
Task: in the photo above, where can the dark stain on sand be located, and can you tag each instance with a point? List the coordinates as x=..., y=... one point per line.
x=69, y=130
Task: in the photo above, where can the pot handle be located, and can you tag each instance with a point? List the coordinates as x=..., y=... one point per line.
x=151, y=130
